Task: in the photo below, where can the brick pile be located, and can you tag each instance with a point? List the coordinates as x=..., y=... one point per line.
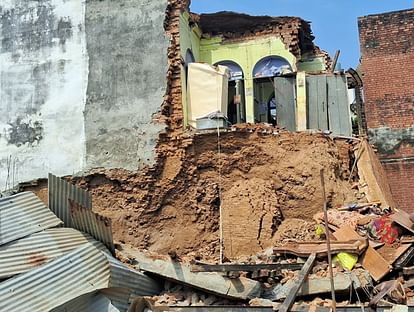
x=295, y=32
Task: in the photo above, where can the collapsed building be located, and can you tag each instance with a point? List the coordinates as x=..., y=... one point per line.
x=200, y=137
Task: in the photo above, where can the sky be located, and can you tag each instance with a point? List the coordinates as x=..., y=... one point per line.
x=334, y=22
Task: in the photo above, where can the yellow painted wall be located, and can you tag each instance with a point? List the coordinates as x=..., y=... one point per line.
x=189, y=39
x=246, y=54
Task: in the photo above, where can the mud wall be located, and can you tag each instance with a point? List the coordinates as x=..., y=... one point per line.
x=80, y=85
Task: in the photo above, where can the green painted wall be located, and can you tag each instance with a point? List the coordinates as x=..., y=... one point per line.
x=313, y=66
x=189, y=37
x=246, y=54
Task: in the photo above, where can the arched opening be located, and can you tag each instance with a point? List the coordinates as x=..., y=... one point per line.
x=236, y=111
x=189, y=58
x=273, y=87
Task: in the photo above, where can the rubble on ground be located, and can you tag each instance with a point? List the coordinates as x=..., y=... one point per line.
x=269, y=191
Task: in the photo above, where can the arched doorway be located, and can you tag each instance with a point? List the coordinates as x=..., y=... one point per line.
x=236, y=112
x=266, y=100
x=189, y=58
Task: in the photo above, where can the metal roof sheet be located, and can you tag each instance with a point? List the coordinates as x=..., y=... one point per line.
x=39, y=248
x=120, y=297
x=79, y=272
x=87, y=221
x=60, y=191
x=24, y=214
x=94, y=302
x=125, y=277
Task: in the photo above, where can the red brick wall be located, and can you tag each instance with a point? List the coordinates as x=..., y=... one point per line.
x=387, y=48
x=401, y=178
x=387, y=58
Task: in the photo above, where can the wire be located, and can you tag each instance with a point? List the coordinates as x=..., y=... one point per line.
x=219, y=194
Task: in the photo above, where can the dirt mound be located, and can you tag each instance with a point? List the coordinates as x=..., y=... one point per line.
x=295, y=230
x=250, y=217
x=260, y=179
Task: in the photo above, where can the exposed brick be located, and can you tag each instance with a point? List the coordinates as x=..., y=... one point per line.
x=401, y=178
x=387, y=49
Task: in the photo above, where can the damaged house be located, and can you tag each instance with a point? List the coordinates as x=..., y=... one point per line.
x=199, y=151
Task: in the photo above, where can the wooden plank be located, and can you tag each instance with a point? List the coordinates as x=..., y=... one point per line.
x=290, y=299
x=317, y=102
x=285, y=102
x=321, y=285
x=403, y=218
x=305, y=249
x=407, y=239
x=245, y=267
x=375, y=264
x=338, y=107
x=345, y=233
x=391, y=254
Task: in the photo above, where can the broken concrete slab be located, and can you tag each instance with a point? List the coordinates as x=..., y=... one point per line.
x=321, y=285
x=238, y=288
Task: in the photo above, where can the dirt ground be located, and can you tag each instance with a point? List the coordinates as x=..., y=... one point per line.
x=259, y=180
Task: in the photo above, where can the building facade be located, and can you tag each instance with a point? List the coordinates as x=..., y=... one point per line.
x=104, y=84
x=387, y=48
x=81, y=83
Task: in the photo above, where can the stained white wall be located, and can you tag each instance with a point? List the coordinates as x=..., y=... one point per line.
x=43, y=82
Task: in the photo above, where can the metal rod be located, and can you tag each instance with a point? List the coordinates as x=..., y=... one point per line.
x=328, y=240
x=219, y=190
x=335, y=60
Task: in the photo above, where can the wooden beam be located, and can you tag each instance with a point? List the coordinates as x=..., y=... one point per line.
x=304, y=249
x=335, y=60
x=290, y=299
x=245, y=267
x=328, y=240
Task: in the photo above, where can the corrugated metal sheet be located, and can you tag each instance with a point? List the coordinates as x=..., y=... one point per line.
x=77, y=273
x=37, y=249
x=87, y=221
x=120, y=297
x=124, y=277
x=94, y=302
x=22, y=215
x=127, y=284
x=60, y=192
x=82, y=271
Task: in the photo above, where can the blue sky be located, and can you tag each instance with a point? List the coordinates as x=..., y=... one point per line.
x=334, y=22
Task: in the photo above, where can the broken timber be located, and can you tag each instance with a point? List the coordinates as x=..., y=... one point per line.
x=223, y=268
x=403, y=218
x=239, y=288
x=304, y=249
x=322, y=285
x=289, y=301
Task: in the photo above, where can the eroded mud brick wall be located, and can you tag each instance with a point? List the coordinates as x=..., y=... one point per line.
x=81, y=85
x=387, y=47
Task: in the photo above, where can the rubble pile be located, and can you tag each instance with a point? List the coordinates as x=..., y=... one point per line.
x=258, y=168
x=266, y=183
